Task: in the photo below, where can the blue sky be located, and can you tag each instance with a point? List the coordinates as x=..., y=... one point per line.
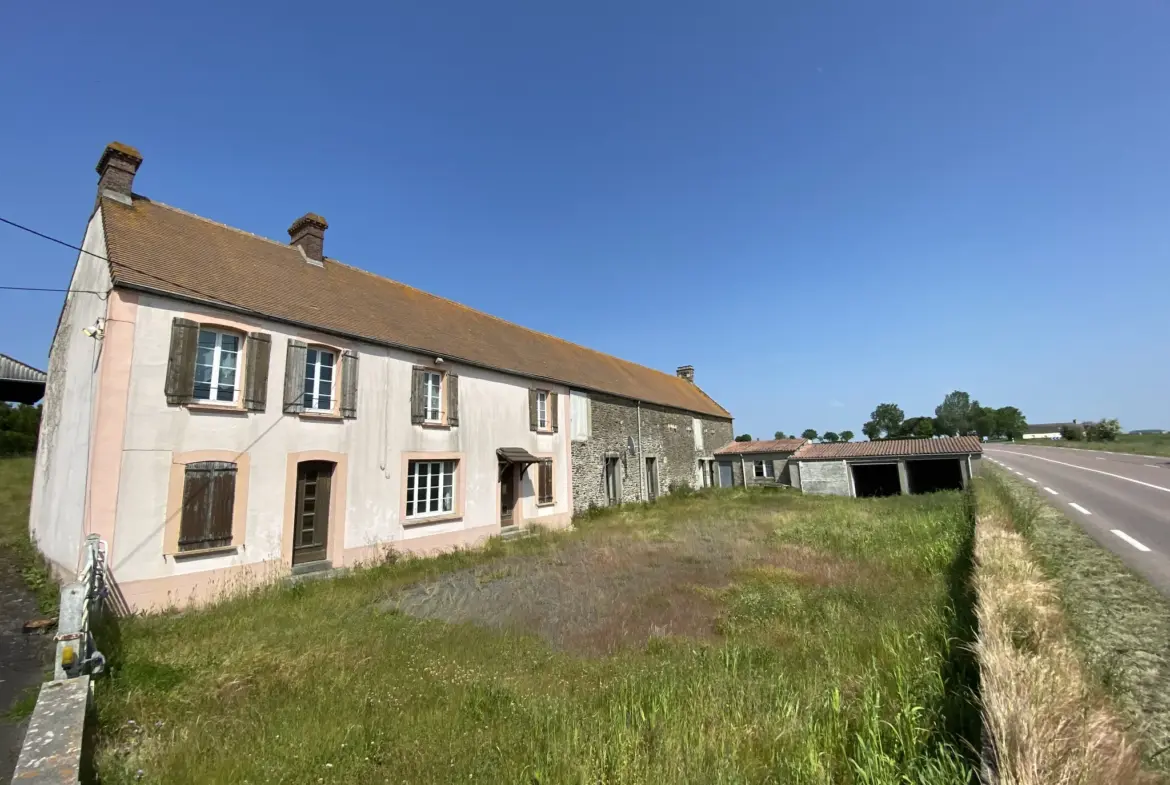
x=821, y=206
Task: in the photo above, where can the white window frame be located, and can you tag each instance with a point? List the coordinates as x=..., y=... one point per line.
x=433, y=414
x=542, y=410
x=314, y=393
x=444, y=499
x=763, y=469
x=217, y=366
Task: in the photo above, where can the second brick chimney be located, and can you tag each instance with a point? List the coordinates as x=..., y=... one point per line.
x=686, y=372
x=117, y=167
x=308, y=232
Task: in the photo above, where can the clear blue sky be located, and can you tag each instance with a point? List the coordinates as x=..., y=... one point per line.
x=821, y=206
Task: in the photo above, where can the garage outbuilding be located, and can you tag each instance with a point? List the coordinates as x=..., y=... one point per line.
x=886, y=468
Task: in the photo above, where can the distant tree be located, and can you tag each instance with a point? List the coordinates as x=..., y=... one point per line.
x=810, y=434
x=871, y=430
x=888, y=417
x=846, y=436
x=984, y=421
x=954, y=414
x=744, y=437
x=1072, y=433
x=780, y=435
x=1103, y=431
x=1009, y=422
x=830, y=437
x=916, y=428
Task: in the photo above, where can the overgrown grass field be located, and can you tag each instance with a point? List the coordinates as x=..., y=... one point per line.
x=1147, y=444
x=16, y=550
x=727, y=637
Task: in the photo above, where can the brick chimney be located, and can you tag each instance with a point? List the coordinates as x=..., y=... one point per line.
x=116, y=169
x=686, y=372
x=308, y=232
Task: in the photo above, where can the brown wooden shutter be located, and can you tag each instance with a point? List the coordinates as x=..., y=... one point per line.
x=532, y=410
x=452, y=399
x=209, y=497
x=545, y=482
x=257, y=350
x=416, y=395
x=180, y=381
x=349, y=384
x=552, y=410
x=294, y=376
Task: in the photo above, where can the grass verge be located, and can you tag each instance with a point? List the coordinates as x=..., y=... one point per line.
x=1148, y=444
x=1075, y=680
x=16, y=549
x=726, y=637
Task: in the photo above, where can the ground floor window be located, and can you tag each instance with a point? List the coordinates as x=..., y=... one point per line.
x=763, y=468
x=544, y=485
x=209, y=498
x=430, y=488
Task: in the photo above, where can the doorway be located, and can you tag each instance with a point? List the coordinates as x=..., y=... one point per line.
x=507, y=495
x=612, y=494
x=651, y=478
x=725, y=475
x=311, y=527
x=935, y=475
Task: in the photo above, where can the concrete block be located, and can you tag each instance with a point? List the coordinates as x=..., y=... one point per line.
x=53, y=743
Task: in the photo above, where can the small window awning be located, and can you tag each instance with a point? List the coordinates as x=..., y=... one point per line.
x=516, y=455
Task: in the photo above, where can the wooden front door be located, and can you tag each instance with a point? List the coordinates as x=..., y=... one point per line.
x=507, y=495
x=311, y=527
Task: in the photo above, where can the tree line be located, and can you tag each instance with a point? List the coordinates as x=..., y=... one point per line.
x=18, y=429
x=957, y=415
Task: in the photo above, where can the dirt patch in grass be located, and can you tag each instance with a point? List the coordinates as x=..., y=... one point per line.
x=598, y=598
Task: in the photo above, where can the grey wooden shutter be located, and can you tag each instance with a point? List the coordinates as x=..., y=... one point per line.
x=180, y=381
x=294, y=376
x=416, y=395
x=532, y=410
x=452, y=399
x=257, y=351
x=209, y=497
x=552, y=413
x=349, y=384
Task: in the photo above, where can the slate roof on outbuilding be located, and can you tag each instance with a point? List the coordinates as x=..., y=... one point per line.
x=890, y=448
x=773, y=445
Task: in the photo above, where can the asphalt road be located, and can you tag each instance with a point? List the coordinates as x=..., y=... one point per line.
x=1122, y=501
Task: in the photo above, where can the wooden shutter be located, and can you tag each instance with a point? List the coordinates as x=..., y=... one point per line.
x=551, y=405
x=545, y=492
x=257, y=350
x=349, y=384
x=180, y=381
x=209, y=497
x=294, y=376
x=452, y=399
x=532, y=410
x=416, y=395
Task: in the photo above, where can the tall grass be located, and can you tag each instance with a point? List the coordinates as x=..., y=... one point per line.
x=844, y=667
x=16, y=476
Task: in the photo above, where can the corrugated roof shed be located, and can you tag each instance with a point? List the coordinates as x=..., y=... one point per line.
x=891, y=448
x=20, y=383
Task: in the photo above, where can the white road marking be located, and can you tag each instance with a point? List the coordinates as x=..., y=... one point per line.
x=1054, y=493
x=1130, y=540
x=1153, y=466
x=1030, y=479
x=1019, y=473
x=1098, y=457
x=1095, y=471
x=1079, y=508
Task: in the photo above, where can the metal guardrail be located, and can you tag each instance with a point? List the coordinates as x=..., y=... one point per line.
x=77, y=652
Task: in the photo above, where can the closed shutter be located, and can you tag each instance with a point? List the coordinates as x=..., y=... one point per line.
x=532, y=410
x=416, y=395
x=180, y=381
x=553, y=416
x=257, y=351
x=209, y=496
x=545, y=482
x=294, y=376
x=349, y=384
x=452, y=399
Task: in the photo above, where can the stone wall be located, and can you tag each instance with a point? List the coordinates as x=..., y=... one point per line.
x=828, y=477
x=667, y=435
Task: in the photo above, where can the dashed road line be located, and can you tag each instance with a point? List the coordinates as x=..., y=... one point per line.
x=1130, y=540
x=1079, y=508
x=1033, y=479
x=1098, y=471
x=1054, y=493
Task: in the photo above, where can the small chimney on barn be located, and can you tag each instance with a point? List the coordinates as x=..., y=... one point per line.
x=308, y=233
x=686, y=372
x=116, y=169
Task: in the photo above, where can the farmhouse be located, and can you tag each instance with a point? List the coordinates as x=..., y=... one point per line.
x=231, y=408
x=755, y=463
x=886, y=468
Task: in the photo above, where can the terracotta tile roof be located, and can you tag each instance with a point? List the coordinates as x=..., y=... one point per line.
x=899, y=448
x=773, y=445
x=157, y=247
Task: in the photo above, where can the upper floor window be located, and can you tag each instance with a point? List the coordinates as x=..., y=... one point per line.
x=542, y=410
x=319, y=367
x=432, y=396
x=216, y=367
